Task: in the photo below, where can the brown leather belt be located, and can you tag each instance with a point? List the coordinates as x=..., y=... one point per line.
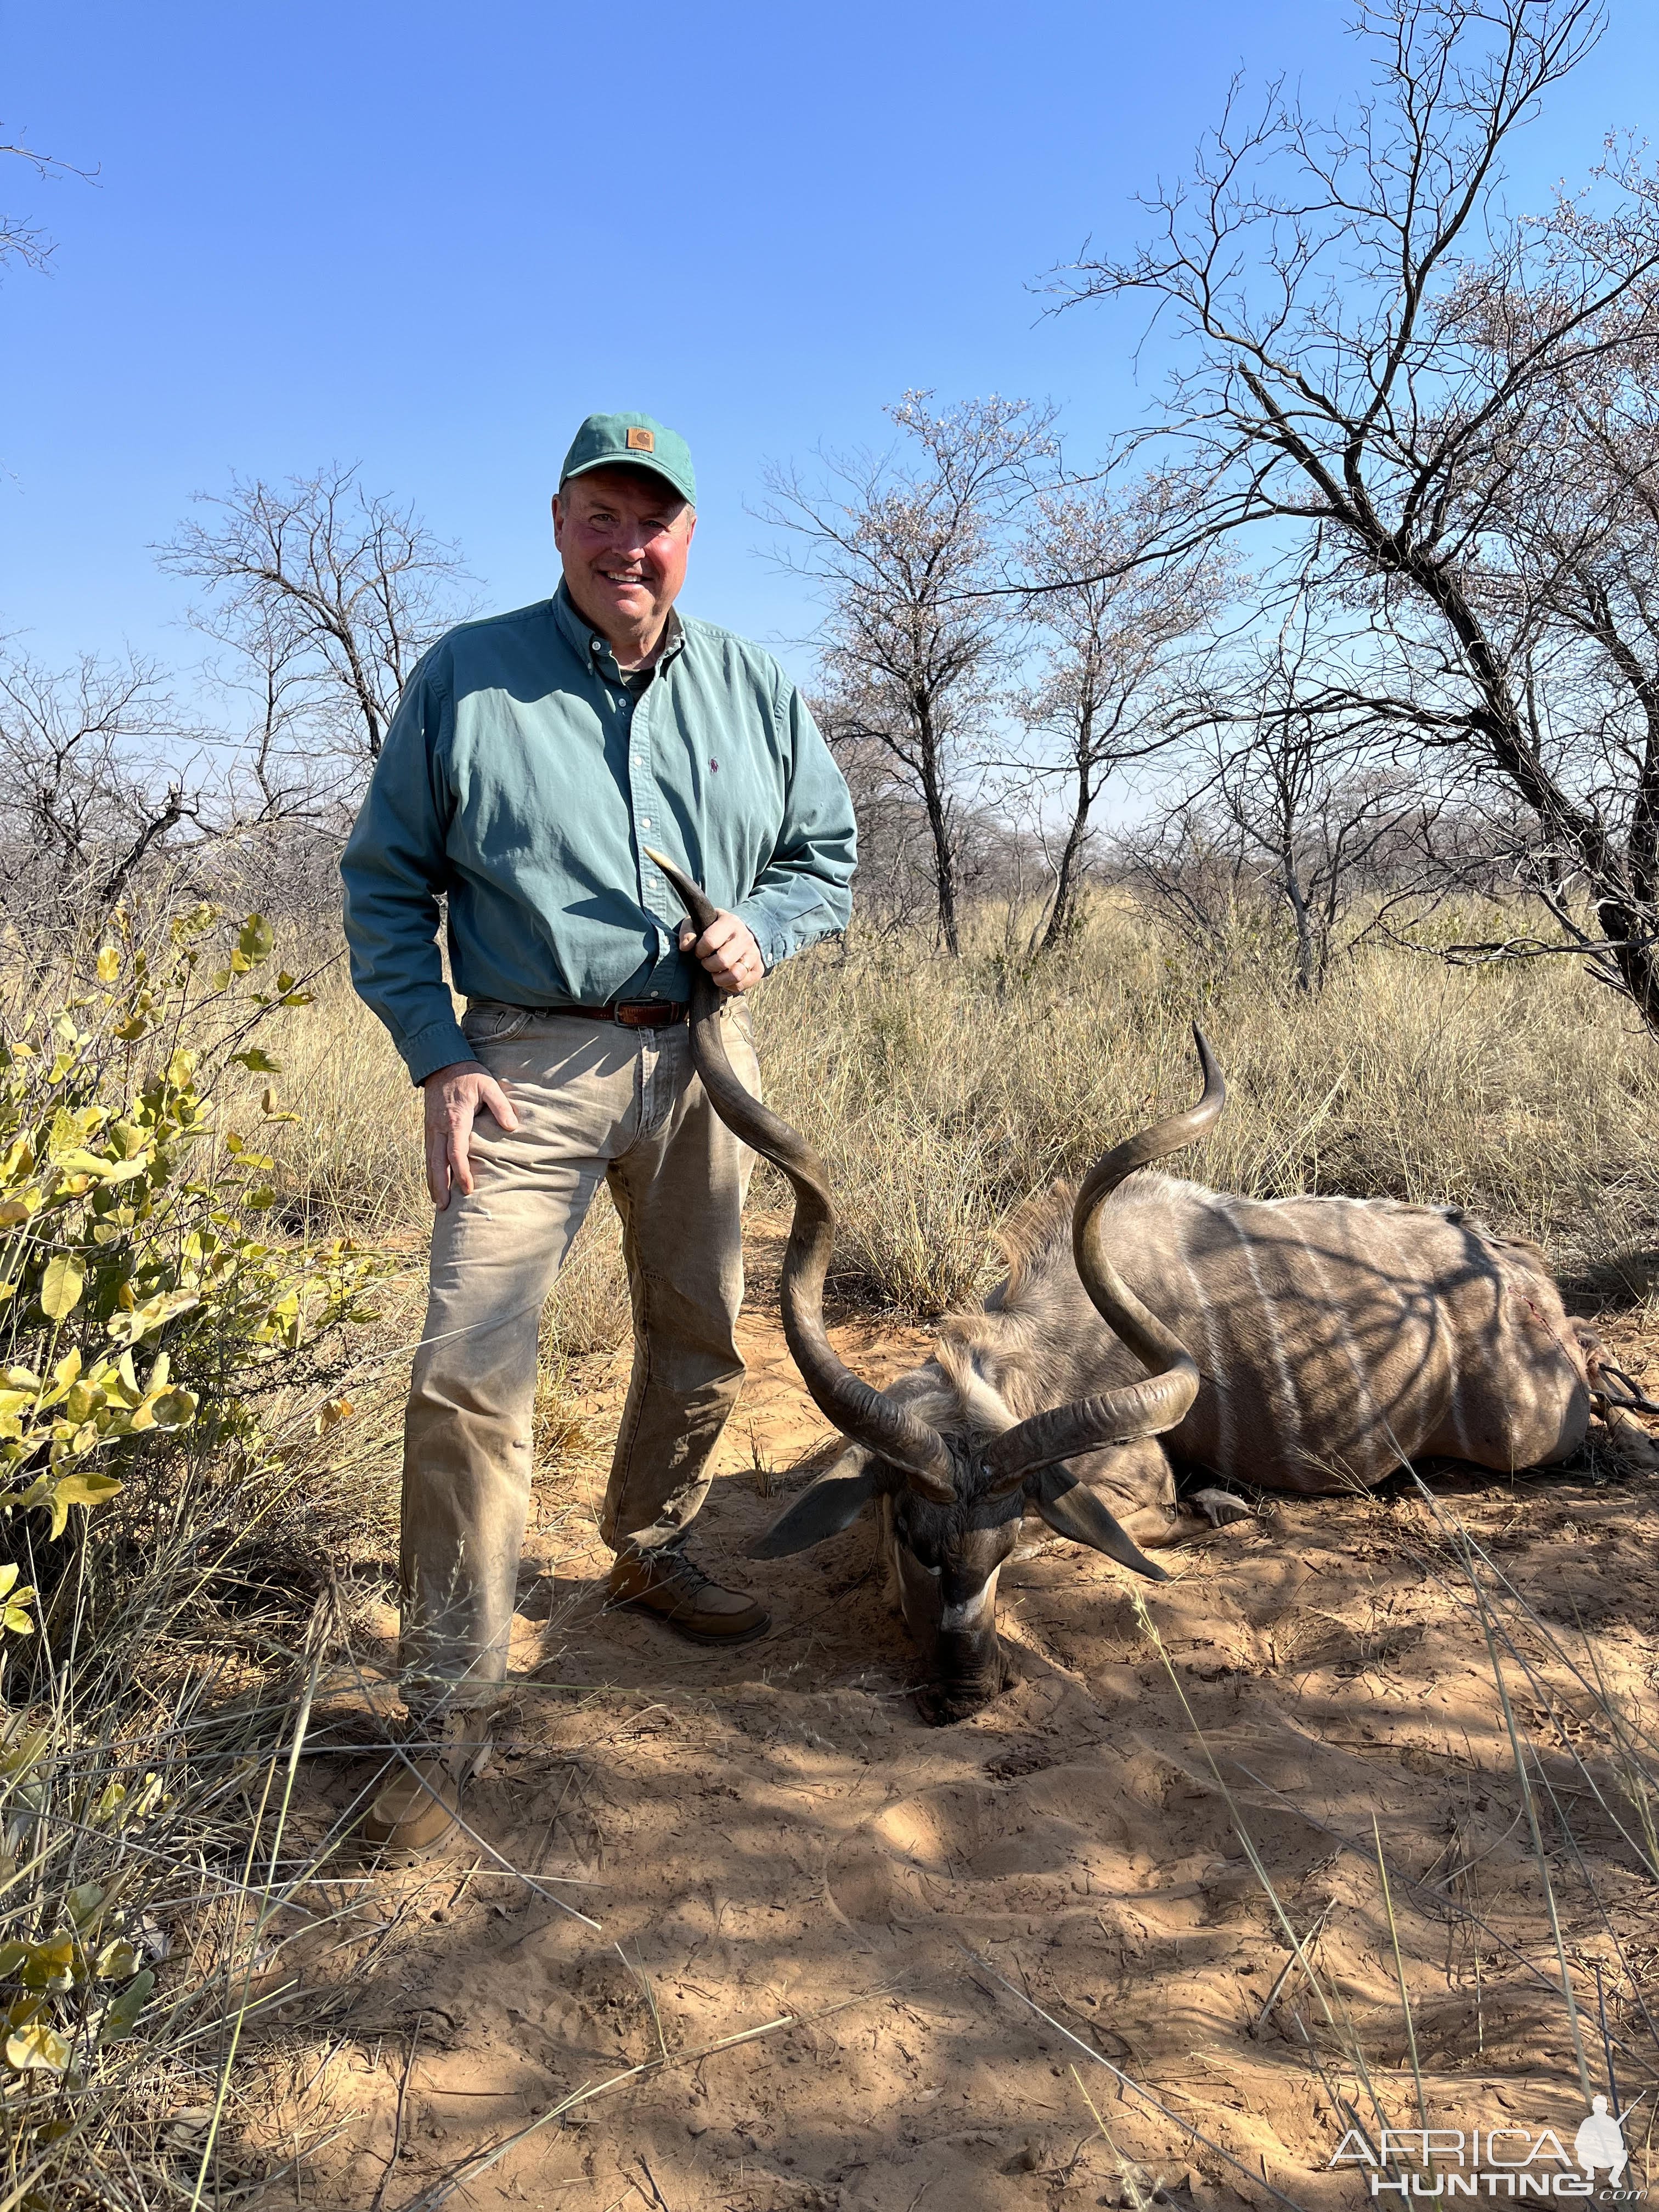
x=632, y=1013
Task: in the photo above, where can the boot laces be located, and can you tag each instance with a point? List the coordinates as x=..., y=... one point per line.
x=686, y=1571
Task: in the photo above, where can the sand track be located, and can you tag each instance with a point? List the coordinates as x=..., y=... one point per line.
x=772, y=1833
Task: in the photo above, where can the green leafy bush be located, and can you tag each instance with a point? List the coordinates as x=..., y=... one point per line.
x=138, y=1295
x=157, y=1338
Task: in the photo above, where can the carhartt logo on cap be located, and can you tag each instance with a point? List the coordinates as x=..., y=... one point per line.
x=636, y=441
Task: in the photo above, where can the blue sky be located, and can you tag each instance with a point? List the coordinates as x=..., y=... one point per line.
x=431, y=238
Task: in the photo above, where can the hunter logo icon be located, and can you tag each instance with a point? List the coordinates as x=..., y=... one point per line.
x=1601, y=2142
x=641, y=442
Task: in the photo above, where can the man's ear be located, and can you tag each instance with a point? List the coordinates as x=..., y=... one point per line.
x=558, y=517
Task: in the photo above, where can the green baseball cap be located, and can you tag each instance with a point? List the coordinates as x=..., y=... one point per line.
x=632, y=442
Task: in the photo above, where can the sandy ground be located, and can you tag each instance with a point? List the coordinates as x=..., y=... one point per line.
x=933, y=1938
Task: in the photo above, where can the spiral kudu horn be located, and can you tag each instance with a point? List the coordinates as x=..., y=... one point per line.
x=857, y=1411
x=1139, y=1409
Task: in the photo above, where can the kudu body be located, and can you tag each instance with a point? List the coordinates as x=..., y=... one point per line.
x=1299, y=1345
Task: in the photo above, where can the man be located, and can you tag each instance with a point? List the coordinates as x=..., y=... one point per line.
x=531, y=760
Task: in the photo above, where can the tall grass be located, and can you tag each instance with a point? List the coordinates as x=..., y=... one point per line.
x=943, y=1091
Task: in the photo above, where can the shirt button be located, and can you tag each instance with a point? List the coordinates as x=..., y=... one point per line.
x=645, y=821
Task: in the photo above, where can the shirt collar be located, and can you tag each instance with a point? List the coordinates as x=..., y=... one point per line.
x=590, y=646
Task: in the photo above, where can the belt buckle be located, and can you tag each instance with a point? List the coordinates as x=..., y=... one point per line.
x=639, y=1014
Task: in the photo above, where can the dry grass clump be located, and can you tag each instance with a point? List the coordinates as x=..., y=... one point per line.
x=353, y=1159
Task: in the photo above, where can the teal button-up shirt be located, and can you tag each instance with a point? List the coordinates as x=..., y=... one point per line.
x=523, y=778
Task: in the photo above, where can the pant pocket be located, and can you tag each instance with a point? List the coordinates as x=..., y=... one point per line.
x=488, y=1022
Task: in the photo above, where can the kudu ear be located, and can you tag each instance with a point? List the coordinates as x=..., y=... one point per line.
x=831, y=1503
x=1072, y=1508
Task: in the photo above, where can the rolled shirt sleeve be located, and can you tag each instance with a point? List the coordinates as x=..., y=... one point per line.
x=805, y=891
x=393, y=869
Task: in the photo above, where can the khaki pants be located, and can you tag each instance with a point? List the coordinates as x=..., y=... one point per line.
x=592, y=1100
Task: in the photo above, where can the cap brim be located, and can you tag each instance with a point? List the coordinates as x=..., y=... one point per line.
x=636, y=462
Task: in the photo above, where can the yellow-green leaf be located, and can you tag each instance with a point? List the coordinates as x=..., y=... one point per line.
x=85, y=1400
x=256, y=940
x=37, y=2047
x=110, y=1801
x=173, y=1409
x=61, y=1286
x=82, y=1903
x=78, y=1162
x=20, y=1753
x=49, y=1966
x=13, y=1602
x=86, y=1488
x=109, y=964
x=123, y=2015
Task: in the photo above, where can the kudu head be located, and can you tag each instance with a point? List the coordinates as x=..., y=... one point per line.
x=956, y=1500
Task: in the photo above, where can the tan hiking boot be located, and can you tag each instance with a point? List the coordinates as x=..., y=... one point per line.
x=683, y=1597
x=419, y=1801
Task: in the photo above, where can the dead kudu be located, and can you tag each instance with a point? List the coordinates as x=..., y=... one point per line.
x=1332, y=1341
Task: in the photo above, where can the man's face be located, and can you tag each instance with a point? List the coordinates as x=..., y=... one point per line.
x=623, y=535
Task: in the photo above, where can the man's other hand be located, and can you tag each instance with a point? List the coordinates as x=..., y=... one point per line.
x=727, y=951
x=455, y=1096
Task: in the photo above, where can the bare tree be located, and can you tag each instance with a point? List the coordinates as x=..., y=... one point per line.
x=896, y=887
x=1367, y=340
x=1107, y=627
x=26, y=243
x=327, y=595
x=1572, y=575
x=914, y=639
x=1316, y=807
x=95, y=786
